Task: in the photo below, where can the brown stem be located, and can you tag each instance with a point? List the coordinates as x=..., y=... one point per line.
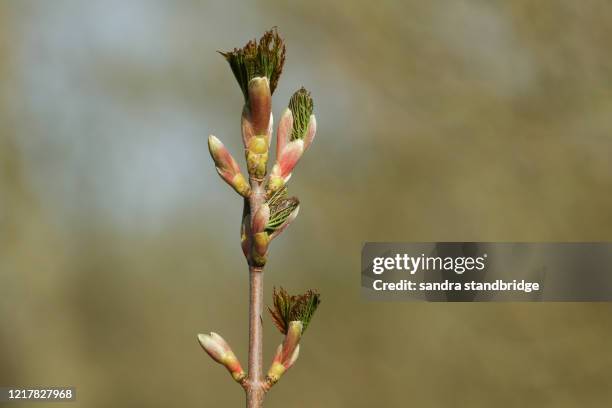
x=255, y=385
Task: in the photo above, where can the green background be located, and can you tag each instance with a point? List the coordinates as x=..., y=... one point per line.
x=438, y=121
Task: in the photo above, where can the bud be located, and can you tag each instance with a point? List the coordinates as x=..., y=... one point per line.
x=240, y=184
x=227, y=167
x=283, y=135
x=277, y=369
x=218, y=349
x=289, y=157
x=301, y=107
x=257, y=155
x=292, y=339
x=258, y=145
x=275, y=181
x=283, y=211
x=263, y=59
x=256, y=163
x=291, y=314
x=296, y=132
x=310, y=133
x=291, y=308
x=261, y=240
x=292, y=216
x=279, y=366
x=215, y=349
x=260, y=104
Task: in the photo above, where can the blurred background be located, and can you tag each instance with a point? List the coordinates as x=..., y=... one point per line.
x=463, y=120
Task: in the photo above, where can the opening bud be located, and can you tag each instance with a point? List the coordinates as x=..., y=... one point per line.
x=283, y=210
x=289, y=157
x=310, y=133
x=227, y=167
x=292, y=308
x=258, y=59
x=218, y=349
x=292, y=339
x=283, y=134
x=301, y=106
x=279, y=367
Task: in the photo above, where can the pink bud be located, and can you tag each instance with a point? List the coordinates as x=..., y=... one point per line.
x=310, y=133
x=283, y=135
x=224, y=161
x=214, y=345
x=221, y=352
x=286, y=362
x=227, y=167
x=279, y=367
x=289, y=157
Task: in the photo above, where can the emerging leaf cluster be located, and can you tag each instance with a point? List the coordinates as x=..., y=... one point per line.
x=265, y=58
x=301, y=107
x=281, y=208
x=290, y=308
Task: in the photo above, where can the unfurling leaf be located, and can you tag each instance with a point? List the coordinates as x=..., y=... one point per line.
x=283, y=210
x=301, y=107
x=289, y=308
x=265, y=58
